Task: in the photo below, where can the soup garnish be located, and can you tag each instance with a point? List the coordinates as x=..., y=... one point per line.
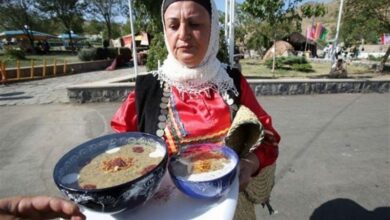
x=116, y=167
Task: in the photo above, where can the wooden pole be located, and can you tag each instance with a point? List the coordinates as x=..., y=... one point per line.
x=32, y=69
x=3, y=72
x=17, y=69
x=44, y=68
x=55, y=67
x=65, y=67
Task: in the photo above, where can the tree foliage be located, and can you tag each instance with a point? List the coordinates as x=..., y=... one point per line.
x=105, y=10
x=262, y=21
x=148, y=15
x=20, y=15
x=313, y=11
x=68, y=12
x=366, y=20
x=14, y=14
x=272, y=11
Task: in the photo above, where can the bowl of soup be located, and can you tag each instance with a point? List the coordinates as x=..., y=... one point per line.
x=113, y=173
x=204, y=171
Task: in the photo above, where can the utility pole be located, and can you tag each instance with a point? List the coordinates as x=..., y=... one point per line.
x=133, y=39
x=229, y=27
x=336, y=39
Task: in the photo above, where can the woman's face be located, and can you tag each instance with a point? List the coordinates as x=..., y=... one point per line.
x=187, y=26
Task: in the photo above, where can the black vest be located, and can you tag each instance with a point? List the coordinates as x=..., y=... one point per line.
x=148, y=98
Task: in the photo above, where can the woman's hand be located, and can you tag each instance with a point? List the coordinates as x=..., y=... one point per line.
x=248, y=166
x=38, y=207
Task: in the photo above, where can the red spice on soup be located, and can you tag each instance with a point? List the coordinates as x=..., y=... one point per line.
x=117, y=167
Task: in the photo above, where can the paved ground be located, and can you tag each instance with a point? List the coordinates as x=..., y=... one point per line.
x=52, y=90
x=334, y=156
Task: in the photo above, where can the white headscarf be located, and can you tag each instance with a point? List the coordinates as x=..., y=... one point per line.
x=209, y=74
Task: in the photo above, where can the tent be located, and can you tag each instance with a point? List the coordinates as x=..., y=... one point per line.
x=21, y=34
x=74, y=36
x=300, y=43
x=142, y=39
x=282, y=48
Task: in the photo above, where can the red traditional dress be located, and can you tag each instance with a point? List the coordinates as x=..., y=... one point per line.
x=202, y=118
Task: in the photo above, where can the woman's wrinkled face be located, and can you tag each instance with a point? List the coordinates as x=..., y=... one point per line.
x=188, y=27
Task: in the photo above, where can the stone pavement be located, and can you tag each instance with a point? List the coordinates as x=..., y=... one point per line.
x=52, y=90
x=334, y=155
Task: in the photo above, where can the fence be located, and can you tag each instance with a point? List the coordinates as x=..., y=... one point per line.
x=58, y=68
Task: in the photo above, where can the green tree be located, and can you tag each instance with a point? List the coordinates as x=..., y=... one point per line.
x=272, y=14
x=367, y=20
x=93, y=26
x=21, y=15
x=68, y=12
x=147, y=15
x=313, y=11
x=157, y=52
x=272, y=11
x=268, y=20
x=106, y=11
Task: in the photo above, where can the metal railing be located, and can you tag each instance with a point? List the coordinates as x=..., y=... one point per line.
x=44, y=70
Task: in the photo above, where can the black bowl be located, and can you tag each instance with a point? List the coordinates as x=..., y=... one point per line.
x=117, y=198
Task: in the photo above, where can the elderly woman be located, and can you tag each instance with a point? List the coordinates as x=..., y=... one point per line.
x=191, y=97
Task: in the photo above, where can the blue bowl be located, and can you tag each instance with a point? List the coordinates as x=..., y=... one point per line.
x=211, y=188
x=117, y=198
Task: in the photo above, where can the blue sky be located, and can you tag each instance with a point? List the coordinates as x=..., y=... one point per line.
x=221, y=3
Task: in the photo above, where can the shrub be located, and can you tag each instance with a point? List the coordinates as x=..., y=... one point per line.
x=126, y=53
x=15, y=54
x=106, y=53
x=88, y=54
x=278, y=62
x=374, y=58
x=157, y=51
x=303, y=67
x=291, y=60
x=291, y=63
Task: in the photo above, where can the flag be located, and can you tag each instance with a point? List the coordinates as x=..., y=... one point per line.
x=310, y=32
x=318, y=32
x=385, y=39
x=324, y=34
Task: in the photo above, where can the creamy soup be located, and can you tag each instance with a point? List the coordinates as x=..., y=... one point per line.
x=118, y=166
x=203, y=166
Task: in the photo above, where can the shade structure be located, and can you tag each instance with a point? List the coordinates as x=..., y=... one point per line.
x=22, y=34
x=142, y=38
x=65, y=36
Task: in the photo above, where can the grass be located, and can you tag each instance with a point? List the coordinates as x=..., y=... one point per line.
x=39, y=60
x=250, y=67
x=255, y=68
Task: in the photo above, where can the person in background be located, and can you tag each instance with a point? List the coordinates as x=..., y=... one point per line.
x=38, y=208
x=189, y=99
